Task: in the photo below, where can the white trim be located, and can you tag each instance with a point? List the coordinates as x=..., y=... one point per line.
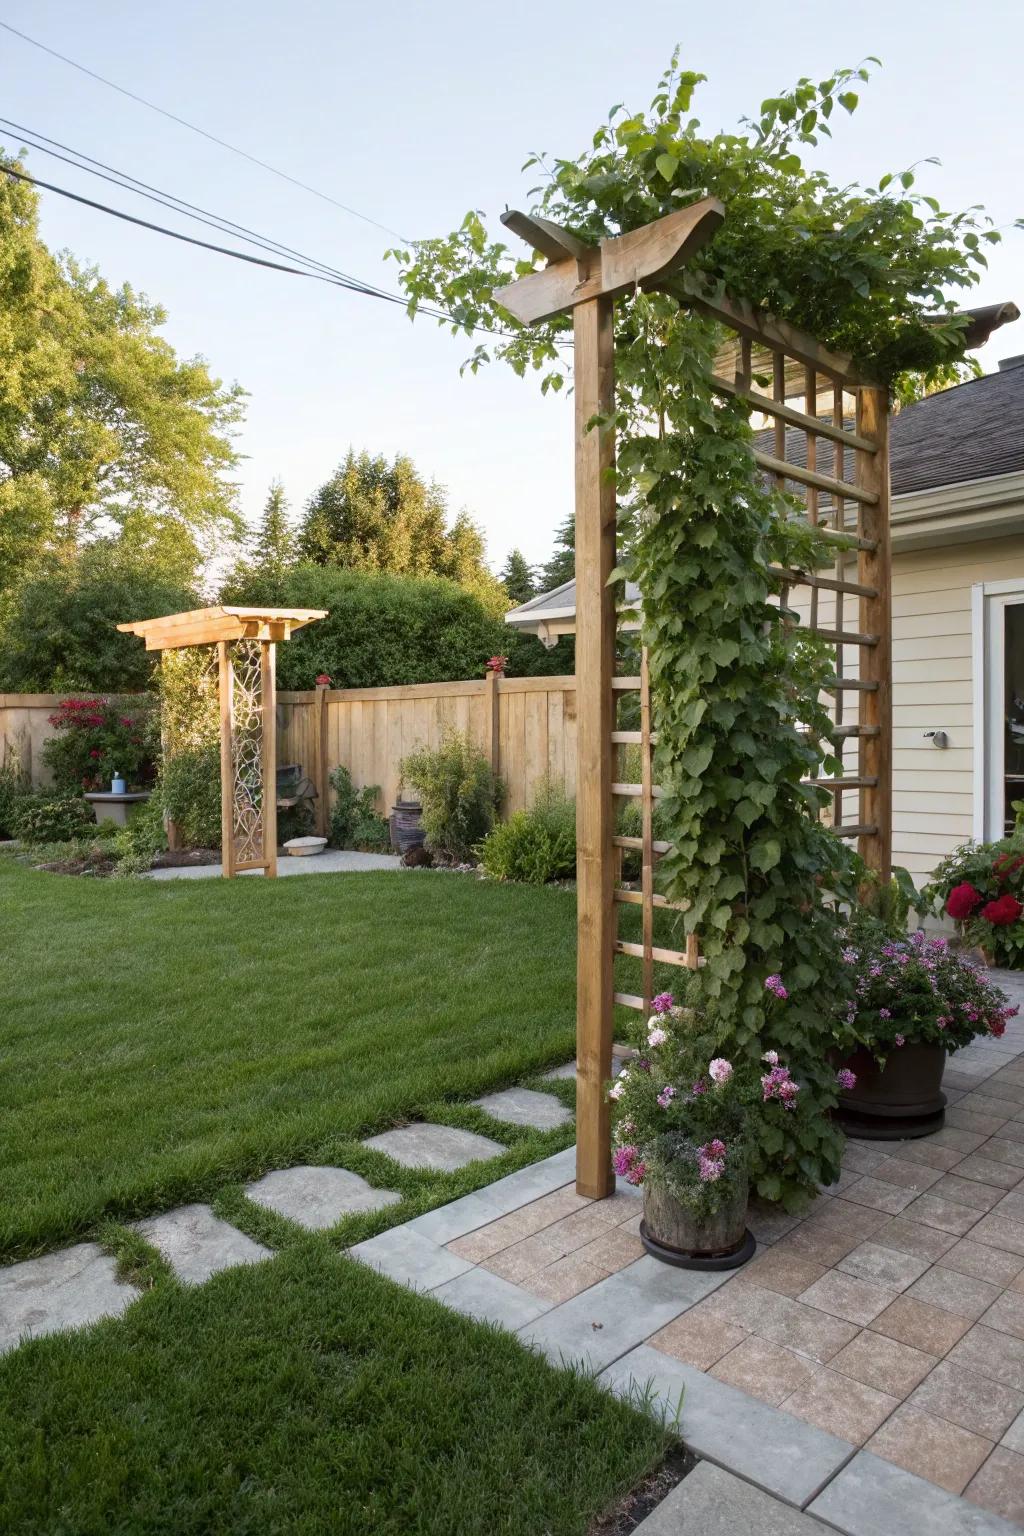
x=980, y=700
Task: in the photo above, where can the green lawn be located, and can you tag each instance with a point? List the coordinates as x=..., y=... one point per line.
x=161, y=1040
x=167, y=1042
x=304, y=1396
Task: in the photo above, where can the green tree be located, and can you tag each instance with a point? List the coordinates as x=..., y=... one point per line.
x=518, y=578
x=58, y=627
x=372, y=515
x=562, y=565
x=101, y=425
x=274, y=544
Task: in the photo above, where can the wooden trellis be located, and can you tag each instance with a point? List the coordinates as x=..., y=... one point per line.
x=831, y=448
x=246, y=640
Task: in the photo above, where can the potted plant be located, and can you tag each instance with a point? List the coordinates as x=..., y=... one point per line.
x=682, y=1132
x=914, y=1000
x=981, y=887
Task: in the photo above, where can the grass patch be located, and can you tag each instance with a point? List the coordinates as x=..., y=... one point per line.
x=305, y=1395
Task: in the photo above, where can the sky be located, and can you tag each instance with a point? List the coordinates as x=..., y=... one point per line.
x=414, y=113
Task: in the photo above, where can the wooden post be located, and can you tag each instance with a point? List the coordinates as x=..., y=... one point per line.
x=323, y=787
x=268, y=724
x=595, y=660
x=875, y=570
x=646, y=830
x=227, y=771
x=170, y=826
x=492, y=720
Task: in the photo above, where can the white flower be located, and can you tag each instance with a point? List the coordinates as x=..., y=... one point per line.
x=720, y=1070
x=657, y=1036
x=617, y=1089
x=654, y=1022
x=771, y=1057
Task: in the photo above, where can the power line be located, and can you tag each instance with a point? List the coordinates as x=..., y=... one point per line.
x=75, y=158
x=328, y=275
x=194, y=128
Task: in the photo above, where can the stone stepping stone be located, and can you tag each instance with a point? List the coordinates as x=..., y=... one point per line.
x=196, y=1243
x=443, y=1148
x=622, y=1055
x=556, y=1073
x=524, y=1106
x=318, y=1197
x=67, y=1289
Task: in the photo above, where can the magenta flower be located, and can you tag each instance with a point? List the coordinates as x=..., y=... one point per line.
x=666, y=1096
x=774, y=984
x=636, y=1173
x=720, y=1070
x=662, y=1003
x=846, y=1079
x=623, y=1159
x=709, y=1168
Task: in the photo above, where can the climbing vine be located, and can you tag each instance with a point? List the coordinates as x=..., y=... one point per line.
x=737, y=686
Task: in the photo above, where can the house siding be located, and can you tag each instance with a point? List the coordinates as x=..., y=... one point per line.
x=933, y=690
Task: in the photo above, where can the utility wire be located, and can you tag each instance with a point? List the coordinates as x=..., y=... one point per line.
x=83, y=162
x=327, y=275
x=212, y=137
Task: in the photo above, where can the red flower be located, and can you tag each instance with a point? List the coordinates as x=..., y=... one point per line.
x=997, y=1028
x=322, y=680
x=95, y=752
x=1003, y=912
x=1005, y=866
x=497, y=664
x=962, y=900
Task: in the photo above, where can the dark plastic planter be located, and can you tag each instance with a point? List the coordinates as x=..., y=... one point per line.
x=670, y=1232
x=407, y=825
x=901, y=1100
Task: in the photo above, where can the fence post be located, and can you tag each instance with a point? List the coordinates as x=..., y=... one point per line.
x=320, y=768
x=492, y=718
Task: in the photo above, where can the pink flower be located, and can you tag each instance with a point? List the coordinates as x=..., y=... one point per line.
x=846, y=1079
x=623, y=1159
x=900, y=1040
x=777, y=1084
x=699, y=1087
x=657, y=1036
x=883, y=1013
x=771, y=1057
x=720, y=1070
x=666, y=1096
x=617, y=1089
x=774, y=984
x=636, y=1173
x=662, y=1003
x=710, y=1168
x=714, y=1149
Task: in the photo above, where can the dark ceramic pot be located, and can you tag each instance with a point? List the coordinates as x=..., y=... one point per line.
x=672, y=1233
x=407, y=825
x=900, y=1100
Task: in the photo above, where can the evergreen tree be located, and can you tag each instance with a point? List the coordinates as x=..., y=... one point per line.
x=518, y=578
x=273, y=544
x=562, y=565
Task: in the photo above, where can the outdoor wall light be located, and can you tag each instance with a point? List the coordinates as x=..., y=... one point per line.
x=937, y=738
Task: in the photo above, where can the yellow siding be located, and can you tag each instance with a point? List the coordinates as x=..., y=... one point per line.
x=933, y=690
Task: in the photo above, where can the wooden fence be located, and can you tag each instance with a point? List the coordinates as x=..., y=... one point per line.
x=526, y=725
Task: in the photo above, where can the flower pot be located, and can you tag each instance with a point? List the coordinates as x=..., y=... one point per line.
x=670, y=1231
x=407, y=825
x=901, y=1100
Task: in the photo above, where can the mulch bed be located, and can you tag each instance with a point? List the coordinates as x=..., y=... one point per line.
x=647, y=1495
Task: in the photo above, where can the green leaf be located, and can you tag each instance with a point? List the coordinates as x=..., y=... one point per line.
x=764, y=855
x=667, y=165
x=849, y=100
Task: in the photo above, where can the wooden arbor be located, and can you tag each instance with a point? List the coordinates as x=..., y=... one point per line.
x=245, y=639
x=832, y=449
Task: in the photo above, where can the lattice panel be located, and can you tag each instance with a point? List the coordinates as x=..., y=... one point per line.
x=822, y=436
x=247, y=787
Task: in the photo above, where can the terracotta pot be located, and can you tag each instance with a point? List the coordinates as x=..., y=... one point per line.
x=671, y=1232
x=900, y=1100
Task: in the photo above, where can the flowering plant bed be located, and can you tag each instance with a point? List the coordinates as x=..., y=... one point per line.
x=96, y=738
x=981, y=887
x=683, y=1124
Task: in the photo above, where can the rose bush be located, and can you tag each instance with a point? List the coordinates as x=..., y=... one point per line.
x=981, y=887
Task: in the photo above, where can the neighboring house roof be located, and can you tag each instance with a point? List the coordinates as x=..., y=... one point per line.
x=970, y=433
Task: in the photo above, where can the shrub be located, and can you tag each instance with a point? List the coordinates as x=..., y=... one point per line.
x=355, y=821
x=53, y=816
x=14, y=786
x=981, y=887
x=534, y=846
x=459, y=794
x=137, y=844
x=190, y=791
x=96, y=738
